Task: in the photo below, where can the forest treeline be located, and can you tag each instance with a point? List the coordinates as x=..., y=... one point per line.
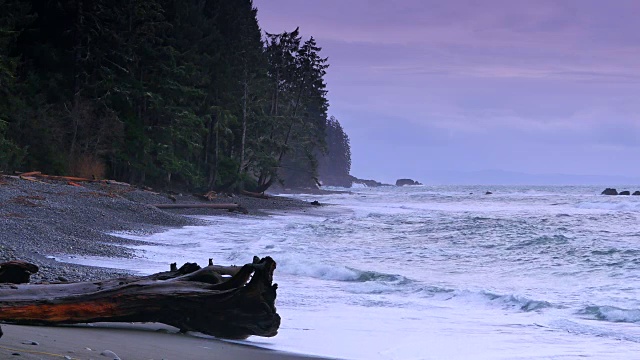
x=168, y=93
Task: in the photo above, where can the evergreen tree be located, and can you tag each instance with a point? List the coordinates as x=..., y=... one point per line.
x=161, y=92
x=335, y=163
x=14, y=13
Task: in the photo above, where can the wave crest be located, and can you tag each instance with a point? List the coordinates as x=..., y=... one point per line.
x=612, y=314
x=518, y=302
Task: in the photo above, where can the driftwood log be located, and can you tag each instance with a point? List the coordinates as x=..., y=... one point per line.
x=254, y=194
x=230, y=207
x=190, y=298
x=16, y=272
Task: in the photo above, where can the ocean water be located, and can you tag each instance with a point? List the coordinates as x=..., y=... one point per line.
x=438, y=272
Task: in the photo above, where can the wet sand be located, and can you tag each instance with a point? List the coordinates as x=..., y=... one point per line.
x=127, y=341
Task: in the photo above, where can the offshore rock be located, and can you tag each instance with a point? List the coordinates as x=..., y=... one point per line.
x=367, y=183
x=609, y=191
x=636, y=193
x=403, y=182
x=626, y=192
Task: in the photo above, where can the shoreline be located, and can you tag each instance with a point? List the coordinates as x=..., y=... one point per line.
x=43, y=219
x=151, y=341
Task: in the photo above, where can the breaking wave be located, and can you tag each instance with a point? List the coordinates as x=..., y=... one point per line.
x=629, y=205
x=338, y=273
x=612, y=314
x=517, y=302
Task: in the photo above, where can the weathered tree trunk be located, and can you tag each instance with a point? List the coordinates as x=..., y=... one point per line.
x=230, y=207
x=254, y=194
x=189, y=298
x=245, y=86
x=198, y=206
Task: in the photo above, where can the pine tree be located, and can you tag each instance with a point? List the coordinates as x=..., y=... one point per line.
x=13, y=16
x=162, y=92
x=335, y=162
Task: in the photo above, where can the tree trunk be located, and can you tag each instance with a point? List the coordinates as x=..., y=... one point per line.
x=189, y=298
x=293, y=119
x=244, y=130
x=77, y=59
x=230, y=207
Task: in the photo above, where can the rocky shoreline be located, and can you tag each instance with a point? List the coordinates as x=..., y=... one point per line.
x=39, y=219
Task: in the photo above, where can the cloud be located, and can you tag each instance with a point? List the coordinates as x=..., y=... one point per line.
x=508, y=38
x=479, y=83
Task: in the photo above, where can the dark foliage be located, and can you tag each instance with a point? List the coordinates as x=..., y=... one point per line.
x=334, y=164
x=162, y=92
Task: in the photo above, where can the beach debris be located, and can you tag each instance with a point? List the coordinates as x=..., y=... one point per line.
x=31, y=173
x=230, y=207
x=315, y=203
x=210, y=195
x=254, y=194
x=16, y=272
x=26, y=200
x=113, y=182
x=232, y=302
x=71, y=180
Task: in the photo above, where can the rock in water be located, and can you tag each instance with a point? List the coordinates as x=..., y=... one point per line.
x=636, y=193
x=110, y=354
x=609, y=191
x=626, y=192
x=403, y=182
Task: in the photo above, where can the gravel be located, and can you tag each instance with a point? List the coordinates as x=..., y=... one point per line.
x=43, y=218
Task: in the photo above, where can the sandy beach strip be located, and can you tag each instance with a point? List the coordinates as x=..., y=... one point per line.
x=127, y=341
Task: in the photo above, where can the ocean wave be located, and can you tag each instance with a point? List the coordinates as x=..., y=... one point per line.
x=518, y=302
x=590, y=330
x=509, y=301
x=626, y=205
x=339, y=273
x=612, y=314
x=613, y=251
x=540, y=240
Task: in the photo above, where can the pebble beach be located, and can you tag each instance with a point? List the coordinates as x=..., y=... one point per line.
x=42, y=219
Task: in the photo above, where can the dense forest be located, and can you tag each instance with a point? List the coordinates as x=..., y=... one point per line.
x=189, y=94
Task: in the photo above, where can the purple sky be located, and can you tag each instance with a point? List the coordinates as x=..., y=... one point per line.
x=529, y=86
